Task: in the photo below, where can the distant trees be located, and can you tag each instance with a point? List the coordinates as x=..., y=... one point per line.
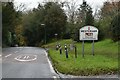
x=89, y=20
x=70, y=9
x=115, y=28
x=9, y=21
x=53, y=18
x=33, y=31
x=61, y=18
x=84, y=17
x=20, y=39
x=107, y=14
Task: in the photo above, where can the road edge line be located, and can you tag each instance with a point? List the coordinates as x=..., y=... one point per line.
x=50, y=65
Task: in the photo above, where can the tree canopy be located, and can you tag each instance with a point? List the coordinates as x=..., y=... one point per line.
x=115, y=28
x=53, y=18
x=9, y=21
x=50, y=20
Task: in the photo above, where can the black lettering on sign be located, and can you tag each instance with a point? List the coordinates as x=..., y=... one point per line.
x=88, y=31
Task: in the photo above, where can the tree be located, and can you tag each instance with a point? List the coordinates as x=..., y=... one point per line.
x=84, y=17
x=9, y=21
x=55, y=19
x=31, y=28
x=52, y=16
x=20, y=39
x=70, y=9
x=108, y=12
x=89, y=20
x=115, y=28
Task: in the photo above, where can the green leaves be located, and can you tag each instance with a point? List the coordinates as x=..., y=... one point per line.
x=115, y=28
x=49, y=14
x=89, y=18
x=9, y=21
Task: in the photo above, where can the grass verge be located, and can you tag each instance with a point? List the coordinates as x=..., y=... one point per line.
x=105, y=60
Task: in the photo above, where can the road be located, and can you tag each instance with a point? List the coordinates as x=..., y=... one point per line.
x=33, y=63
x=26, y=62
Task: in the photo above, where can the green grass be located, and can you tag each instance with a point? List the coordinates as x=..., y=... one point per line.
x=105, y=60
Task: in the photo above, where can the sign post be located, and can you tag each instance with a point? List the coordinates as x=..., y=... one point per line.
x=88, y=33
x=83, y=48
x=93, y=48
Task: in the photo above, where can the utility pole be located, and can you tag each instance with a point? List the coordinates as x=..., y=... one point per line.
x=45, y=31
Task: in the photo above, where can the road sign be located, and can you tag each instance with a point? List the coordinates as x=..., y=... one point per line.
x=88, y=33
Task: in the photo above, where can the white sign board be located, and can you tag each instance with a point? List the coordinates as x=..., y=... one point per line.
x=88, y=33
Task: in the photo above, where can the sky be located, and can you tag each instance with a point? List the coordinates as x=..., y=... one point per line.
x=30, y=4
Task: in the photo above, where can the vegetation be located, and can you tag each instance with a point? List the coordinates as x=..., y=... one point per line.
x=107, y=14
x=57, y=20
x=52, y=16
x=115, y=28
x=10, y=19
x=104, y=62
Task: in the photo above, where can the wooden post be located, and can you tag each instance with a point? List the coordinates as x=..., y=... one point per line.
x=83, y=48
x=93, y=48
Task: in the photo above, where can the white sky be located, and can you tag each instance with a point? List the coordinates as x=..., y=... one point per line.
x=29, y=4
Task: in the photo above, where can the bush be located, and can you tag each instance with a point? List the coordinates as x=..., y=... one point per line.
x=115, y=28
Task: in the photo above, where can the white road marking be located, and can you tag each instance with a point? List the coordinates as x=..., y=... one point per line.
x=24, y=57
x=22, y=60
x=0, y=55
x=27, y=57
x=54, y=77
x=51, y=68
x=8, y=55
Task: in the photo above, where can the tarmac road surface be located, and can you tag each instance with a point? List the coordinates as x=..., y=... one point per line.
x=26, y=62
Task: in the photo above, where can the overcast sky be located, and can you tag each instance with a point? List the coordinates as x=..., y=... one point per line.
x=29, y=4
